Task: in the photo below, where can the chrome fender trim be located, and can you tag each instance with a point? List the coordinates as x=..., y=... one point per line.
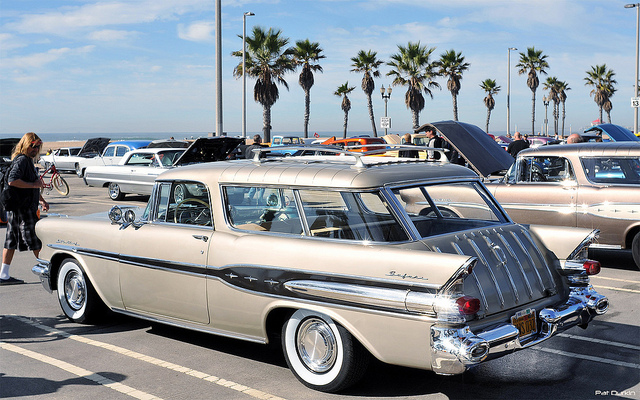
x=42, y=269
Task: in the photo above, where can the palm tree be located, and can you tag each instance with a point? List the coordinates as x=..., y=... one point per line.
x=452, y=65
x=342, y=91
x=563, y=87
x=603, y=83
x=307, y=54
x=368, y=63
x=552, y=86
x=490, y=87
x=412, y=67
x=532, y=63
x=268, y=58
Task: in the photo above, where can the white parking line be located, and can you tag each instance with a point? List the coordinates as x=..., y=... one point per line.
x=81, y=372
x=590, y=358
x=600, y=341
x=612, y=279
x=617, y=289
x=155, y=361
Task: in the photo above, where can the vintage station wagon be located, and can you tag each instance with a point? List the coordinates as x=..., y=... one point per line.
x=339, y=259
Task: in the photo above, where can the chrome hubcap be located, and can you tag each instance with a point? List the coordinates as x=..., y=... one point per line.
x=75, y=290
x=316, y=345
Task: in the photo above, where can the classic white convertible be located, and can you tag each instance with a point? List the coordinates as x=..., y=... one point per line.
x=339, y=259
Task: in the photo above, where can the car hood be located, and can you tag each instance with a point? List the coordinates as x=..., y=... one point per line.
x=615, y=132
x=94, y=146
x=483, y=154
x=208, y=149
x=6, y=148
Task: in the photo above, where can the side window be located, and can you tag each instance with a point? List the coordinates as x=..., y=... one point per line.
x=121, y=150
x=64, y=153
x=185, y=203
x=262, y=209
x=545, y=169
x=109, y=151
x=140, y=159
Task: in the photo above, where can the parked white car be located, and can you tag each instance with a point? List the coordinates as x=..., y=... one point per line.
x=63, y=158
x=111, y=155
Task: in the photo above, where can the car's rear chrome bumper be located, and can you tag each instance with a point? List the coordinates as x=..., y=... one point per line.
x=42, y=269
x=455, y=349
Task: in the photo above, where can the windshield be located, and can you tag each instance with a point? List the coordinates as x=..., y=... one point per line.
x=616, y=170
x=449, y=207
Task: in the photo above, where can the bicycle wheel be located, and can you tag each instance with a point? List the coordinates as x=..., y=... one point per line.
x=60, y=184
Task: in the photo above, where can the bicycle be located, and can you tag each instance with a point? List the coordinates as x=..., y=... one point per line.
x=56, y=181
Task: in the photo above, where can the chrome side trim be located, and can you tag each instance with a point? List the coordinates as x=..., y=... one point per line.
x=502, y=259
x=43, y=270
x=531, y=262
x=403, y=300
x=593, y=236
x=543, y=261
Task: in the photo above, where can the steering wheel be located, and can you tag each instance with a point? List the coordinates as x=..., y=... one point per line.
x=203, y=214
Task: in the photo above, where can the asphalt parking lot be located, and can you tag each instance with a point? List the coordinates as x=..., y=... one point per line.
x=42, y=354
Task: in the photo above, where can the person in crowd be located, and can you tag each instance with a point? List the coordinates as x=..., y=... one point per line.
x=406, y=140
x=21, y=223
x=257, y=143
x=519, y=143
x=574, y=138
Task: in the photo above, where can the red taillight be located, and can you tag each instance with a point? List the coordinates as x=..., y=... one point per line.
x=468, y=305
x=592, y=267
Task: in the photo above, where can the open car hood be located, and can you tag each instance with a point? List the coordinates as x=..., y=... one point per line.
x=208, y=149
x=6, y=148
x=615, y=132
x=93, y=146
x=483, y=154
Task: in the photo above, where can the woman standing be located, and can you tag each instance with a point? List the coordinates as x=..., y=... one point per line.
x=21, y=223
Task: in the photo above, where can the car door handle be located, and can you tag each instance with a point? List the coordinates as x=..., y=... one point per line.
x=201, y=237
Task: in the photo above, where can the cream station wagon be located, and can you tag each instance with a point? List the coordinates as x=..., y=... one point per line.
x=339, y=259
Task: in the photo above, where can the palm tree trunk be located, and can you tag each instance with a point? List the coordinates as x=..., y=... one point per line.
x=488, y=116
x=609, y=116
x=455, y=107
x=266, y=123
x=601, y=114
x=307, y=101
x=373, y=121
x=346, y=120
x=533, y=112
x=415, y=114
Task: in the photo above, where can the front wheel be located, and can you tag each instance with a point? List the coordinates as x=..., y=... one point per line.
x=322, y=354
x=115, y=193
x=60, y=184
x=635, y=249
x=79, y=171
x=77, y=297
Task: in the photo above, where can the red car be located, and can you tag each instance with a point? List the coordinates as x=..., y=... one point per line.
x=357, y=141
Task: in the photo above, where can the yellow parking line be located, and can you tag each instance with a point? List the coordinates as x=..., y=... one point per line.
x=155, y=361
x=81, y=372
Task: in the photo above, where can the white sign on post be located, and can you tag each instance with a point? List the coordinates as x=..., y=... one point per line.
x=635, y=102
x=385, y=122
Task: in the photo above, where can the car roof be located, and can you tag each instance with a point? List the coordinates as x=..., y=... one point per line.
x=326, y=172
x=133, y=144
x=590, y=149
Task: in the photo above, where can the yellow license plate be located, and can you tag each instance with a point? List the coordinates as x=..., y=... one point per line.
x=525, y=321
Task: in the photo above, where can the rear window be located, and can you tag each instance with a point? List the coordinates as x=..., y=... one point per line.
x=612, y=170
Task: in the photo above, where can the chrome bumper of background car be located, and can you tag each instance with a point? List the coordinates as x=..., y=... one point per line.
x=42, y=269
x=453, y=350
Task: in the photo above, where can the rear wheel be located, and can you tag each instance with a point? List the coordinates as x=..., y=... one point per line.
x=635, y=249
x=79, y=171
x=115, y=193
x=60, y=184
x=77, y=297
x=322, y=354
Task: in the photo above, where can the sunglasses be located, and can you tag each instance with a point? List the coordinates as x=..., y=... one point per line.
x=36, y=144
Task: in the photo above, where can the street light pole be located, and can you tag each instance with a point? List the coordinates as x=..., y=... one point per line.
x=635, y=92
x=244, y=78
x=509, y=89
x=218, y=68
x=385, y=96
x=545, y=101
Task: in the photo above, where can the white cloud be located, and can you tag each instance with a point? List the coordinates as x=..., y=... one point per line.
x=200, y=31
x=110, y=35
x=39, y=60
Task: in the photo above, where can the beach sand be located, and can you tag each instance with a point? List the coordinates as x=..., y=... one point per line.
x=47, y=146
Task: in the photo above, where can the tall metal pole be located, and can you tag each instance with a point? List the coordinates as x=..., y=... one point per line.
x=218, y=68
x=635, y=86
x=509, y=89
x=244, y=77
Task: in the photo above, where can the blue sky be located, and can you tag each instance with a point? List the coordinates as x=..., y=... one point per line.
x=84, y=66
